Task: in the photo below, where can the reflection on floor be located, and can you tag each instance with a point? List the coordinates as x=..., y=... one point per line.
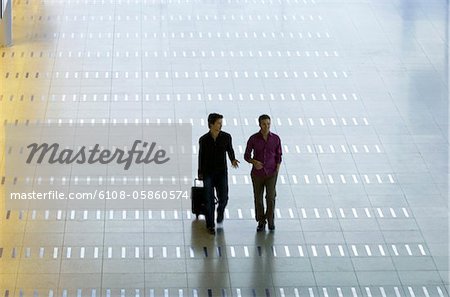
x=357, y=90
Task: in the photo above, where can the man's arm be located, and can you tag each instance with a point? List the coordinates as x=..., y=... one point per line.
x=278, y=153
x=247, y=155
x=230, y=149
x=231, y=155
x=248, y=151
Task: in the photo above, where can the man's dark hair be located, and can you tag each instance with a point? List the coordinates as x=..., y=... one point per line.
x=212, y=118
x=263, y=117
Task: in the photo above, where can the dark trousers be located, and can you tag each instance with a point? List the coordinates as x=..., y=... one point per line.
x=259, y=184
x=216, y=181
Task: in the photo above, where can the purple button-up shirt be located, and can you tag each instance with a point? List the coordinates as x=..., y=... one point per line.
x=267, y=152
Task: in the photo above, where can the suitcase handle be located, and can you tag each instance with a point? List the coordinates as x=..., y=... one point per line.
x=195, y=181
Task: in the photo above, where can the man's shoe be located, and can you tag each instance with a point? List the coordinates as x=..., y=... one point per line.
x=212, y=231
x=271, y=227
x=219, y=217
x=261, y=227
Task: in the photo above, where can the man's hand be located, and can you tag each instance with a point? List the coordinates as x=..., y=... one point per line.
x=235, y=163
x=258, y=165
x=200, y=176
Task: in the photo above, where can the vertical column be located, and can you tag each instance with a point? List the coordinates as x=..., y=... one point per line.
x=6, y=24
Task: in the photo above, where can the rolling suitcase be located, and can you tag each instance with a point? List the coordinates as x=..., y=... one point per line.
x=198, y=199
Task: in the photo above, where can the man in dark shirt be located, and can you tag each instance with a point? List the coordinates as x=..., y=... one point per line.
x=212, y=168
x=266, y=160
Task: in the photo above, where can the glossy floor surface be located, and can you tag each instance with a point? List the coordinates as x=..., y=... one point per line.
x=357, y=91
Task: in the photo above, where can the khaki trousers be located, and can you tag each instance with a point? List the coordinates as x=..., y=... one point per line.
x=267, y=183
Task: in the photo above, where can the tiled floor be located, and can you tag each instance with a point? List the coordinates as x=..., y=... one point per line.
x=357, y=90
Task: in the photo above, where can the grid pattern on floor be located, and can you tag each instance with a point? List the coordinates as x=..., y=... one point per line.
x=358, y=92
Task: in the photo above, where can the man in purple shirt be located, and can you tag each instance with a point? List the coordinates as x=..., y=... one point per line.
x=266, y=160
